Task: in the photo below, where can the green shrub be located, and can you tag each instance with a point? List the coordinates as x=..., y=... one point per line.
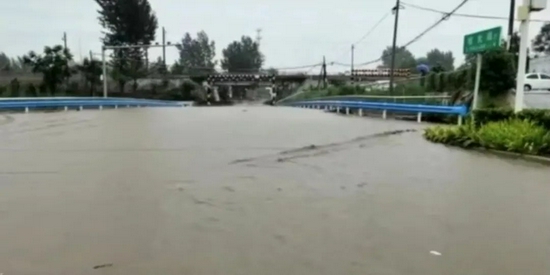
x=463, y=136
x=512, y=135
x=538, y=116
x=484, y=116
x=515, y=135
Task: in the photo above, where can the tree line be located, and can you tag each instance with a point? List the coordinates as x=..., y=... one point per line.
x=134, y=22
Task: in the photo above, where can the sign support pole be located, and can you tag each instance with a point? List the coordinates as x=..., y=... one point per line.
x=478, y=78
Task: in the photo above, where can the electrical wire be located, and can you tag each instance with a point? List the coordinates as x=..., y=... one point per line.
x=367, y=34
x=416, y=38
x=466, y=15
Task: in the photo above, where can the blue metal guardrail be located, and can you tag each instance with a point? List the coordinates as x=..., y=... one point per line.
x=418, y=109
x=80, y=103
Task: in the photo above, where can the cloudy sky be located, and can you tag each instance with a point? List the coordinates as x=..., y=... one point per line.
x=294, y=32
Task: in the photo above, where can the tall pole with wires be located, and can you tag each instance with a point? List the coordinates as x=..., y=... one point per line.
x=394, y=44
x=352, y=57
x=511, y=23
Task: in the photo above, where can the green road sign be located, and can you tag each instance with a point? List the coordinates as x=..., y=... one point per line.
x=482, y=41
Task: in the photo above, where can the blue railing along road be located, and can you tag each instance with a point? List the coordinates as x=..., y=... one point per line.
x=418, y=109
x=27, y=104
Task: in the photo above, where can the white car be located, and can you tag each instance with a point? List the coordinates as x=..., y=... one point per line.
x=536, y=81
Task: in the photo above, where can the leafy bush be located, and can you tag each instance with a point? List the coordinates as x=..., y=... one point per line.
x=463, y=136
x=512, y=135
x=484, y=116
x=539, y=116
x=515, y=135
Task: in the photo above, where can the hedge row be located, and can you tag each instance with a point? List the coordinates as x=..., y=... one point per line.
x=512, y=135
x=538, y=116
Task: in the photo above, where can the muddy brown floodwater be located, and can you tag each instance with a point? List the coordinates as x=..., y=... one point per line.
x=259, y=190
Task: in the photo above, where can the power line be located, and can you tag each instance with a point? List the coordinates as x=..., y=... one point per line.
x=367, y=34
x=466, y=15
x=416, y=38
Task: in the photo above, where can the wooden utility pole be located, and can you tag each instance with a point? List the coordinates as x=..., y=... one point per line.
x=394, y=44
x=352, y=56
x=511, y=23
x=324, y=73
x=164, y=47
x=65, y=40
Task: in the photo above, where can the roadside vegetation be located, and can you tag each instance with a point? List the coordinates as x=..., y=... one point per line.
x=527, y=132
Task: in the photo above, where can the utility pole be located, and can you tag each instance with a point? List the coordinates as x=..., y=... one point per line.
x=352, y=58
x=65, y=40
x=91, y=56
x=164, y=47
x=394, y=44
x=324, y=73
x=511, y=23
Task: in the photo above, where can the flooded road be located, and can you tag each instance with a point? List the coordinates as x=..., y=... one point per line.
x=259, y=190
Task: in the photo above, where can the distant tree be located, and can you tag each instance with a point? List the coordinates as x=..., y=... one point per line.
x=422, y=60
x=53, y=64
x=541, y=43
x=196, y=56
x=5, y=62
x=444, y=59
x=127, y=22
x=272, y=71
x=404, y=59
x=91, y=70
x=157, y=67
x=242, y=56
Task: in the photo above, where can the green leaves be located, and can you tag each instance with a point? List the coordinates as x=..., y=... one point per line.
x=510, y=134
x=196, y=55
x=53, y=64
x=242, y=56
x=515, y=135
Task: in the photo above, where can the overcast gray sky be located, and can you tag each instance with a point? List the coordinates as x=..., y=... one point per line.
x=295, y=32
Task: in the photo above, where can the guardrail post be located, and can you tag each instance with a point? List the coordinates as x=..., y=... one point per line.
x=100, y=107
x=326, y=108
x=66, y=108
x=459, y=120
x=384, y=114
x=360, y=112
x=347, y=110
x=26, y=109
x=127, y=106
x=116, y=106
x=80, y=108
x=338, y=109
x=419, y=117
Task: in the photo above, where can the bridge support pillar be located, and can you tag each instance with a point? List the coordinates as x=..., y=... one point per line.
x=385, y=114
x=459, y=120
x=347, y=111
x=26, y=109
x=360, y=112
x=419, y=117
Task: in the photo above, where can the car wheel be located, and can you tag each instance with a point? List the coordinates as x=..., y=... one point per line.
x=527, y=88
